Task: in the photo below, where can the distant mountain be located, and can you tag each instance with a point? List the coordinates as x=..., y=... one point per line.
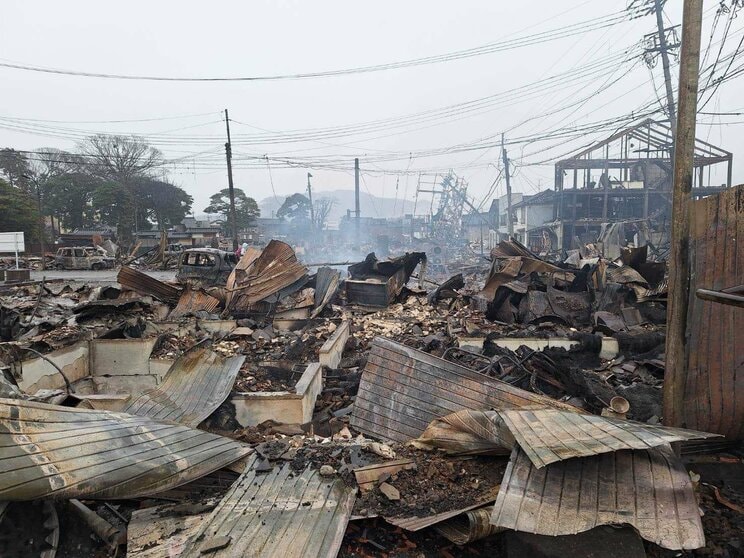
x=369, y=205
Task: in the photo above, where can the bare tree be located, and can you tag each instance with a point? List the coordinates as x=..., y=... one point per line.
x=322, y=209
x=119, y=158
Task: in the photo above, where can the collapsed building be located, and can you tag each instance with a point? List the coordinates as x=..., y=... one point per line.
x=513, y=409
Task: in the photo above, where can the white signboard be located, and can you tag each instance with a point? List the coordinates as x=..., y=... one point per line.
x=12, y=242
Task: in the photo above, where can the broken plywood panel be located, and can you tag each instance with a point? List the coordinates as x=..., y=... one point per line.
x=48, y=451
x=648, y=489
x=197, y=383
x=402, y=390
x=280, y=513
x=153, y=533
x=368, y=476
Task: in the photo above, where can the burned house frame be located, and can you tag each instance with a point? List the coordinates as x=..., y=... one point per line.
x=627, y=177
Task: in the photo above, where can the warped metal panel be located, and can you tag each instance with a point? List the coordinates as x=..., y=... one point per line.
x=197, y=383
x=648, y=489
x=144, y=284
x=281, y=513
x=713, y=386
x=48, y=451
x=402, y=390
x=194, y=300
x=274, y=270
x=550, y=435
x=468, y=527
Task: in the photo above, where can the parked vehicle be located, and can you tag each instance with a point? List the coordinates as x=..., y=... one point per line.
x=83, y=257
x=205, y=266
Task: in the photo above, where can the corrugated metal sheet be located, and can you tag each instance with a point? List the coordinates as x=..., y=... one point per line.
x=714, y=386
x=469, y=526
x=197, y=383
x=550, y=435
x=402, y=390
x=280, y=514
x=142, y=283
x=274, y=270
x=47, y=451
x=326, y=285
x=648, y=489
x=418, y=523
x=194, y=300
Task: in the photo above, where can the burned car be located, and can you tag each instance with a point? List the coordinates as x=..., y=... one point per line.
x=83, y=257
x=205, y=266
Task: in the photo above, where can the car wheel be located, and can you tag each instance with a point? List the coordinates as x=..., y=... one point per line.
x=96, y=267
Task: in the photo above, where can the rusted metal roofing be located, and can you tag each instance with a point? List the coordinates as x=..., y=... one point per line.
x=550, y=435
x=469, y=526
x=197, y=383
x=142, y=283
x=48, y=451
x=417, y=523
x=275, y=269
x=713, y=392
x=402, y=390
x=194, y=300
x=648, y=489
x=280, y=513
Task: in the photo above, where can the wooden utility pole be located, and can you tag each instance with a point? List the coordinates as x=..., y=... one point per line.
x=509, y=221
x=230, y=187
x=310, y=197
x=357, y=212
x=679, y=256
x=665, y=64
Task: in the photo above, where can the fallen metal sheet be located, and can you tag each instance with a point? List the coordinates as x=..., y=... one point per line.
x=192, y=301
x=624, y=275
x=144, y=284
x=468, y=433
x=550, y=435
x=47, y=451
x=574, y=308
x=326, y=284
x=156, y=533
x=402, y=390
x=275, y=269
x=197, y=383
x=279, y=513
x=415, y=523
x=469, y=526
x=648, y=489
x=511, y=248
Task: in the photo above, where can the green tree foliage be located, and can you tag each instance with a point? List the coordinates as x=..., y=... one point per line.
x=246, y=208
x=296, y=208
x=19, y=211
x=166, y=204
x=13, y=167
x=69, y=198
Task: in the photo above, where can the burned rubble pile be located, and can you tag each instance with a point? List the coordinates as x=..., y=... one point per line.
x=384, y=414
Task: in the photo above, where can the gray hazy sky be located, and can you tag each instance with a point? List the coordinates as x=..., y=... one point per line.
x=222, y=39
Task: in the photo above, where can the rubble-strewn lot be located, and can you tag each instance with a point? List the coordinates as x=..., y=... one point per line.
x=384, y=415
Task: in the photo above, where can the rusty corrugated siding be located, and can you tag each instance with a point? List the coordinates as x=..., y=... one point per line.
x=275, y=269
x=144, y=284
x=648, y=489
x=402, y=390
x=48, y=451
x=550, y=435
x=197, y=383
x=280, y=513
x=714, y=387
x=194, y=300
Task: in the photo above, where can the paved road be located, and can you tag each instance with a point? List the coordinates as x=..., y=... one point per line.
x=105, y=276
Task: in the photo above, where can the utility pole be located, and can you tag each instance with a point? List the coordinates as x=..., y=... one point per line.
x=231, y=189
x=357, y=212
x=310, y=197
x=665, y=63
x=509, y=222
x=679, y=255
x=42, y=228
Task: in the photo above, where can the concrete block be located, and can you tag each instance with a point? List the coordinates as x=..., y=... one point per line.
x=333, y=349
x=36, y=373
x=281, y=406
x=120, y=356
